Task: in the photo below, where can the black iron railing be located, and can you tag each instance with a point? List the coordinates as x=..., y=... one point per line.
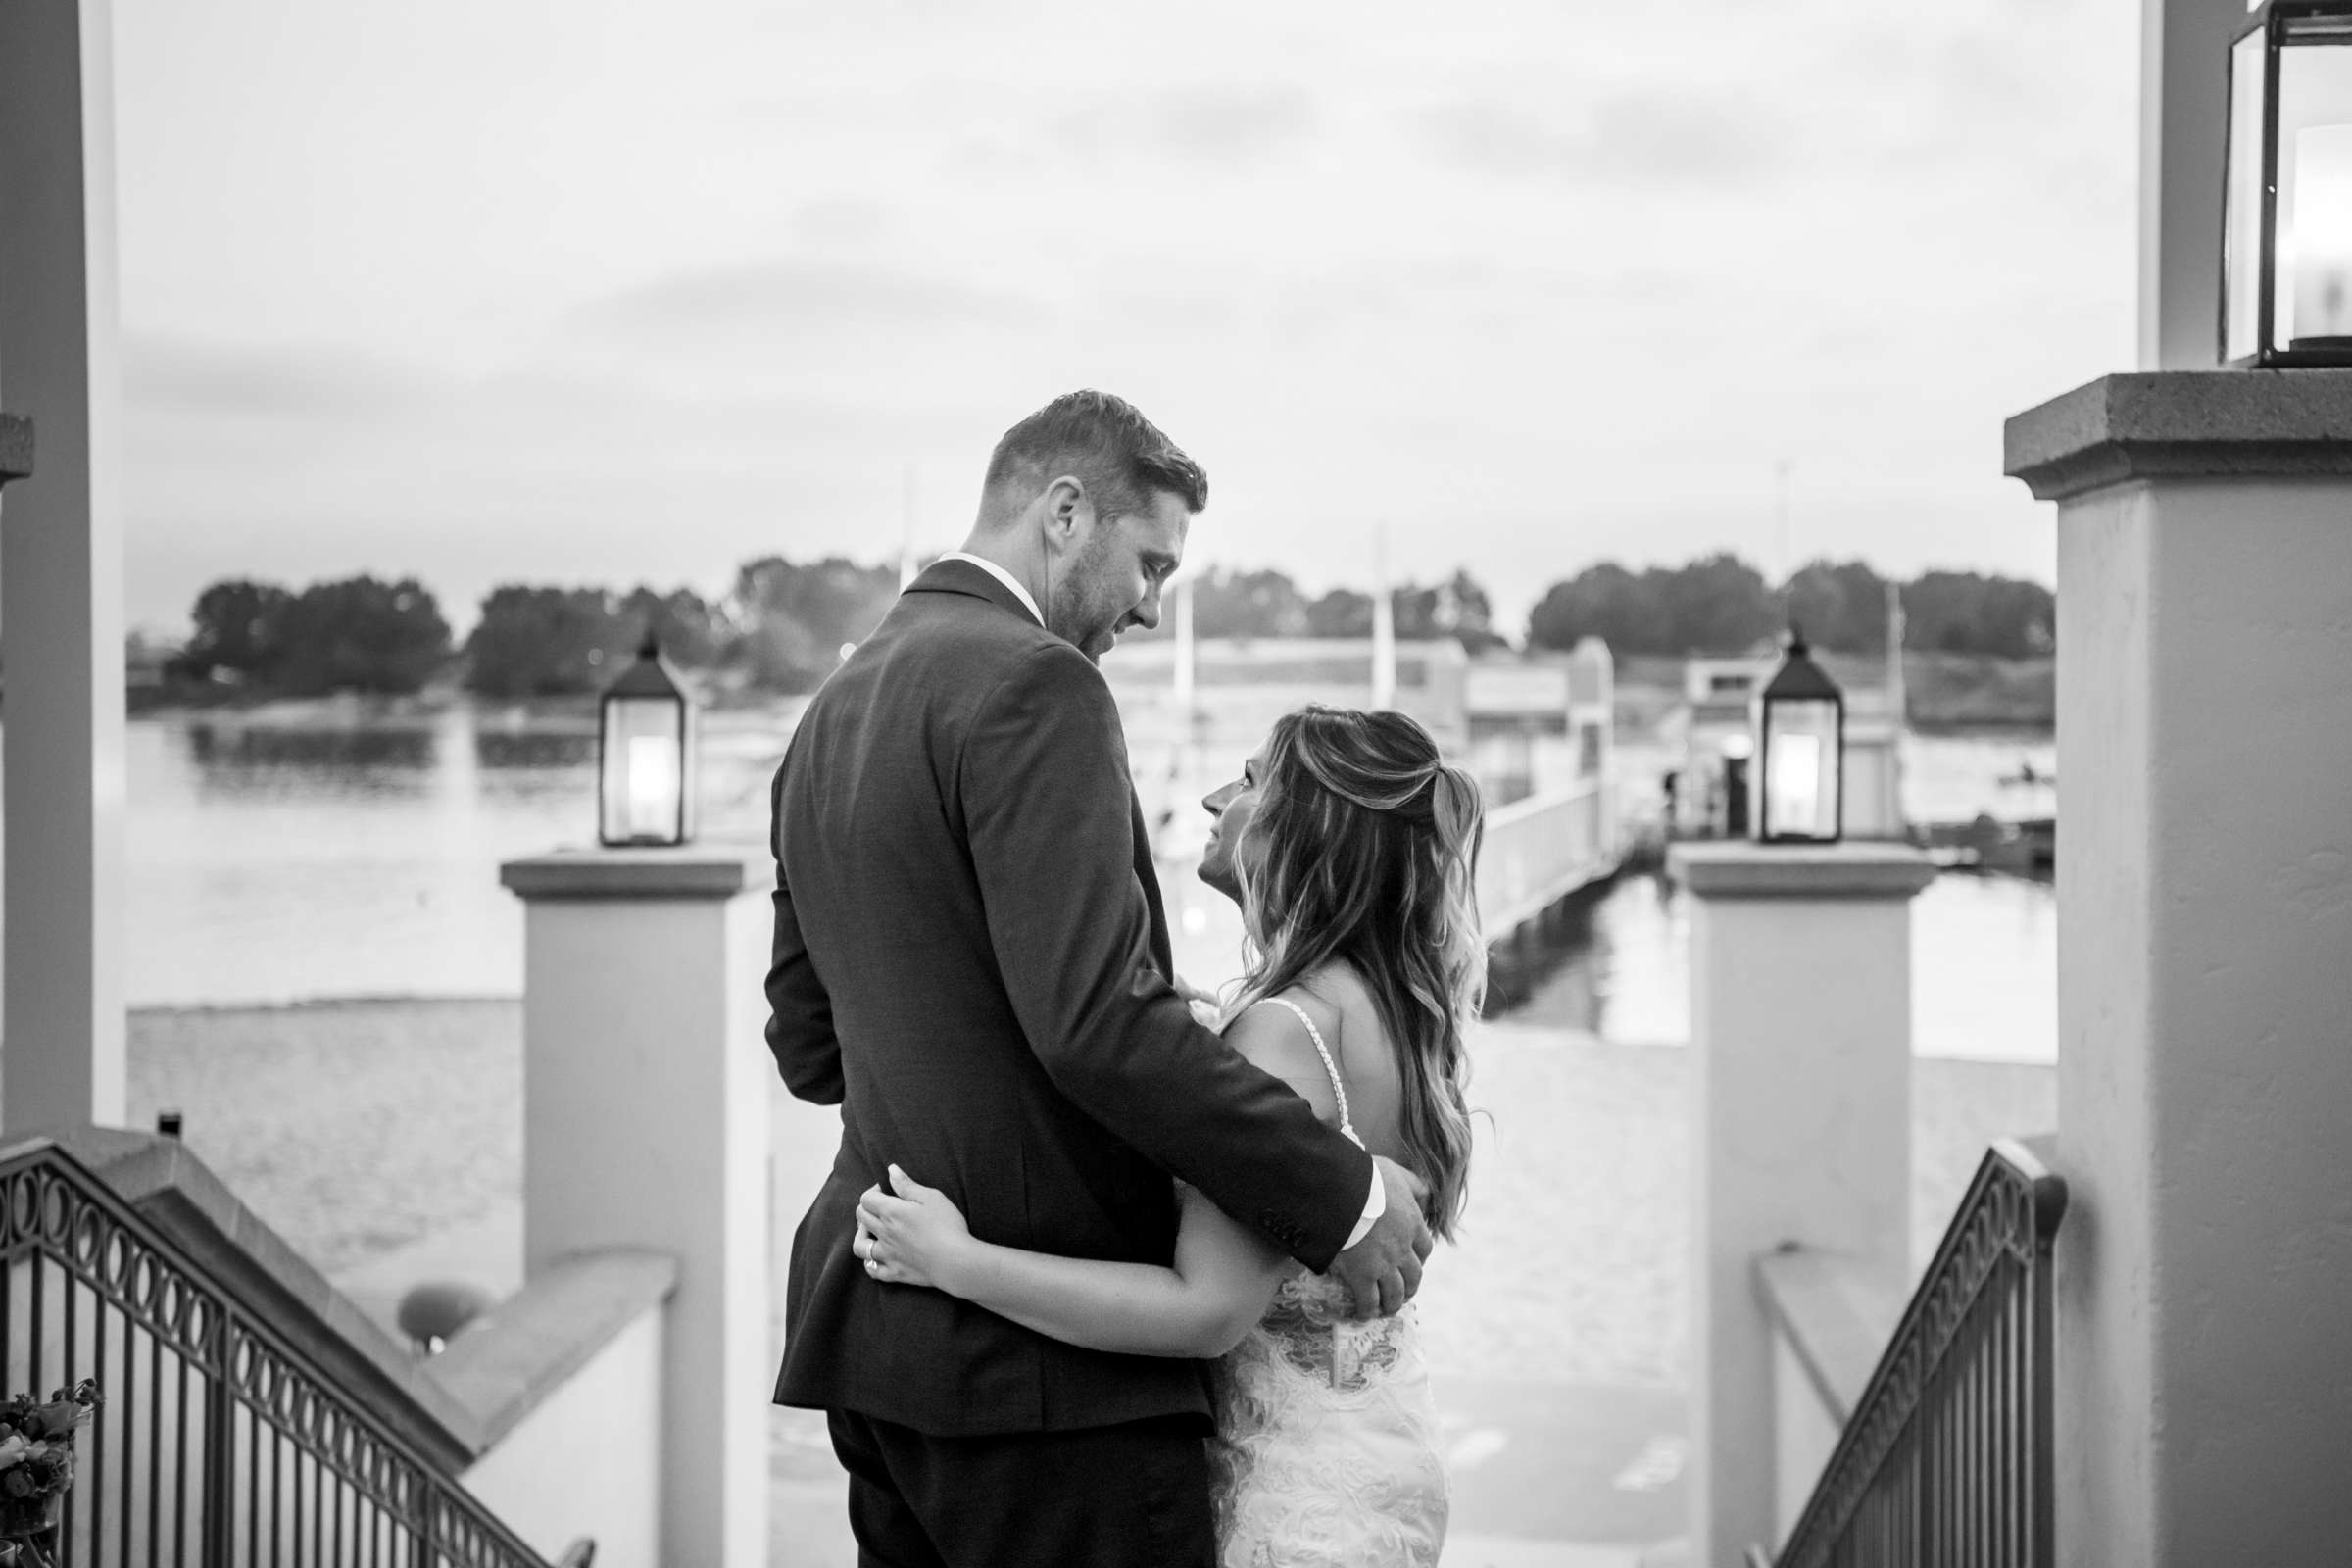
x=221, y=1441
x=1947, y=1458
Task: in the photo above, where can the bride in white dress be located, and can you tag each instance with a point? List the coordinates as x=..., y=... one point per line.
x=1354, y=845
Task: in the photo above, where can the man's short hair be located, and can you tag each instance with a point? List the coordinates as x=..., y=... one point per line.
x=1119, y=455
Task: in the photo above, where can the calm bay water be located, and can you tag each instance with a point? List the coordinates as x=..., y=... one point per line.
x=288, y=855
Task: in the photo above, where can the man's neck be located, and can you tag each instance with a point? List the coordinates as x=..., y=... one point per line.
x=1003, y=553
x=998, y=553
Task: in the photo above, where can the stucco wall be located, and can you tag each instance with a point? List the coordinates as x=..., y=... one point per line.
x=1805, y=1436
x=588, y=1460
x=2205, y=1013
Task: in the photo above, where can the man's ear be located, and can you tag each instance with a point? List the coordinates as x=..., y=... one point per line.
x=1065, y=511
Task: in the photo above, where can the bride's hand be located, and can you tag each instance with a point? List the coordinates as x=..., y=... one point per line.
x=914, y=1238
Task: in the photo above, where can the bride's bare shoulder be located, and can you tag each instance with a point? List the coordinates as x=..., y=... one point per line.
x=1344, y=1002
x=1274, y=1037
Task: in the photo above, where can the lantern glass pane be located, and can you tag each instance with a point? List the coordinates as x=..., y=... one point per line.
x=1800, y=770
x=2314, y=293
x=645, y=771
x=2241, y=250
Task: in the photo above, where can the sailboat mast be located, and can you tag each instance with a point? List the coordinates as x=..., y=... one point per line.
x=907, y=533
x=1183, y=654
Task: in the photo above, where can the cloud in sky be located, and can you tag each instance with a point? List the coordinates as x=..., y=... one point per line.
x=184, y=378
x=606, y=292
x=1643, y=137
x=1220, y=124
x=782, y=300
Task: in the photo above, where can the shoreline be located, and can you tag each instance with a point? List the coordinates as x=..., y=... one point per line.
x=1515, y=1019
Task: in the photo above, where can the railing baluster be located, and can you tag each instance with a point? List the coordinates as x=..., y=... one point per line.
x=1964, y=1416
x=130, y=1433
x=2041, y=1473
x=40, y=1275
x=180, y=1468
x=2005, y=1498
x=98, y=1429
x=125, y=1403
x=220, y=1454
x=253, y=1462
x=69, y=1356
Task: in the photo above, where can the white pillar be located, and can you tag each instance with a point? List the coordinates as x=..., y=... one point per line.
x=644, y=1124
x=2183, y=80
x=2204, y=1396
x=61, y=572
x=1592, y=701
x=1800, y=1022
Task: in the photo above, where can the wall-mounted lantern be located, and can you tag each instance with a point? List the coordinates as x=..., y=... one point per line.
x=2286, y=234
x=645, y=755
x=1799, y=768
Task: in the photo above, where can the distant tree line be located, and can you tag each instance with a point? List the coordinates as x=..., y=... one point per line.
x=781, y=627
x=1720, y=604
x=1717, y=603
x=355, y=634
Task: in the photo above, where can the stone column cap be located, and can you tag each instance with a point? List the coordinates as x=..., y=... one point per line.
x=690, y=871
x=2183, y=424
x=1735, y=868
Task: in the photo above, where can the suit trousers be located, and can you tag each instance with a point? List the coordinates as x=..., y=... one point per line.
x=1135, y=1494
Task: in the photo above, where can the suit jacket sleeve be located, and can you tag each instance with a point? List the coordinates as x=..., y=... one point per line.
x=800, y=1015
x=1044, y=785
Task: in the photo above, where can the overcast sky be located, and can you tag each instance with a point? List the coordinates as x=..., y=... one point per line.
x=612, y=292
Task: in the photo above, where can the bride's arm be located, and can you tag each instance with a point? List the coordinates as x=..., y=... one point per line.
x=1199, y=1307
x=1222, y=1278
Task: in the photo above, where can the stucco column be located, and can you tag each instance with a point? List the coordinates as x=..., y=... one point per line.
x=644, y=1124
x=61, y=573
x=2204, y=1399
x=1800, y=1022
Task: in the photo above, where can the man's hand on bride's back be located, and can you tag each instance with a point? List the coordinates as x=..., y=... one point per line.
x=1382, y=1271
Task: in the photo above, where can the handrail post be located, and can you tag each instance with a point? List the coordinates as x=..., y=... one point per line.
x=646, y=1115
x=1801, y=1086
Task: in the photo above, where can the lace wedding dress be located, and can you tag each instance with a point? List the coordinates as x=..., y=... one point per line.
x=1326, y=1449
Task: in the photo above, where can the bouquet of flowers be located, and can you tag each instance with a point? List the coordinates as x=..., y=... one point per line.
x=36, y=1466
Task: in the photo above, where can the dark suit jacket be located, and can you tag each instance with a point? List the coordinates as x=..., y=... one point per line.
x=972, y=960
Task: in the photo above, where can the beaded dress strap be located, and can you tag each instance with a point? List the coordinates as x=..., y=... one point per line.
x=1337, y=1087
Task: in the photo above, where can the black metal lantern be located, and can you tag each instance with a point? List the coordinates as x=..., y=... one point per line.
x=2286, y=232
x=645, y=755
x=1799, y=768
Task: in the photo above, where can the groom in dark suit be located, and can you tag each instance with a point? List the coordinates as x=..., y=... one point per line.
x=972, y=959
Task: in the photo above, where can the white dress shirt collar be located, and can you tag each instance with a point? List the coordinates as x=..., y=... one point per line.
x=1028, y=600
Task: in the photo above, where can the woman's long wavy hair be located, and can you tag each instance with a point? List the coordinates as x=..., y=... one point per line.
x=1364, y=847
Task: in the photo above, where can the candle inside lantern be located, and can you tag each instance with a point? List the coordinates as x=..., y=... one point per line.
x=2319, y=249
x=652, y=786
x=1793, y=790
